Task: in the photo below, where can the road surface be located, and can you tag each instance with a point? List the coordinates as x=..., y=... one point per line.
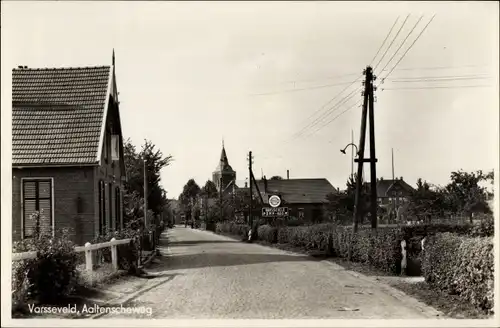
x=202, y=275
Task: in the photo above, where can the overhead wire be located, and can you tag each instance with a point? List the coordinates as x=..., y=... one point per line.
x=394, y=39
x=382, y=45
x=300, y=89
x=322, y=107
x=439, y=87
x=332, y=109
x=409, y=48
x=311, y=124
x=402, y=43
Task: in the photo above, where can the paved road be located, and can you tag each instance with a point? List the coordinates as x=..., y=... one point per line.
x=207, y=276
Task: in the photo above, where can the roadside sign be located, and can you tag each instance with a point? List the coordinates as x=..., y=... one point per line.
x=270, y=212
x=274, y=200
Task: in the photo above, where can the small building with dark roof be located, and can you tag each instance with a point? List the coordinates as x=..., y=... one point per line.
x=305, y=198
x=67, y=151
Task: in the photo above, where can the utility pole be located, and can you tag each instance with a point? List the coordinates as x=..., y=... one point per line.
x=250, y=174
x=367, y=107
x=373, y=158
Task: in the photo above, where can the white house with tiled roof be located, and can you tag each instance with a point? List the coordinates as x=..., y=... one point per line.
x=67, y=151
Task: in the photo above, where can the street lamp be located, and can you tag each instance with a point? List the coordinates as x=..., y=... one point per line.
x=352, y=159
x=351, y=144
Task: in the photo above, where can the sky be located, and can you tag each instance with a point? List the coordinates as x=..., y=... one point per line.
x=191, y=74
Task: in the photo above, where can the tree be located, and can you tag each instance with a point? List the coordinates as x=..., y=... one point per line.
x=465, y=195
x=134, y=186
x=276, y=177
x=210, y=190
x=340, y=205
x=426, y=202
x=188, y=198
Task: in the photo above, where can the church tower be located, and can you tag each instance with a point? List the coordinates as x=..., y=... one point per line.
x=224, y=173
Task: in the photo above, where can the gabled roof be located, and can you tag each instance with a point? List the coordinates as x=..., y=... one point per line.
x=58, y=114
x=298, y=191
x=385, y=186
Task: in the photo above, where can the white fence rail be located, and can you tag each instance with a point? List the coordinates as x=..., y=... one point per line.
x=87, y=249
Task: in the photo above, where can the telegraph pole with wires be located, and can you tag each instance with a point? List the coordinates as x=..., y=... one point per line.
x=367, y=111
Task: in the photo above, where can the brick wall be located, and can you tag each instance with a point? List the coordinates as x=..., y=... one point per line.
x=73, y=200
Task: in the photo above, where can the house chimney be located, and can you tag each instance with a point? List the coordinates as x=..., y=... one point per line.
x=246, y=184
x=288, y=174
x=265, y=184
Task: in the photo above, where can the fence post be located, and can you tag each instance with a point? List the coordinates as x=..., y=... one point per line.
x=114, y=255
x=88, y=258
x=404, y=260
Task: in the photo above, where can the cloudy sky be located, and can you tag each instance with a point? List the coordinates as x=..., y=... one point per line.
x=257, y=73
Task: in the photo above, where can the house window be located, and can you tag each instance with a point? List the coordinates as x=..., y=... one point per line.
x=115, y=147
x=118, y=208
x=102, y=208
x=37, y=196
x=301, y=213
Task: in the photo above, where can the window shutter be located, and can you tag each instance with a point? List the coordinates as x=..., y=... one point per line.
x=29, y=224
x=37, y=196
x=45, y=207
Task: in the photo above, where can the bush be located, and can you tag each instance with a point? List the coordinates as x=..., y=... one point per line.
x=48, y=277
x=127, y=253
x=267, y=233
x=231, y=228
x=461, y=265
x=486, y=226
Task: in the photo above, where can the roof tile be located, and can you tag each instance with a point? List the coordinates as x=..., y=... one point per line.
x=57, y=114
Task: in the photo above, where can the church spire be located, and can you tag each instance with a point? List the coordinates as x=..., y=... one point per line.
x=113, y=58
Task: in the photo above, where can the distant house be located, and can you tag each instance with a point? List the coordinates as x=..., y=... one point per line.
x=67, y=151
x=305, y=198
x=391, y=191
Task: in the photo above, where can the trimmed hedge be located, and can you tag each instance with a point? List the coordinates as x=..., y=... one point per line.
x=380, y=248
x=267, y=233
x=233, y=229
x=461, y=265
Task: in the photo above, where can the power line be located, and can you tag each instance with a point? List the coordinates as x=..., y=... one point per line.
x=439, y=80
x=319, y=79
x=322, y=107
x=394, y=39
x=436, y=67
x=402, y=43
x=341, y=113
x=439, y=87
x=351, y=107
x=403, y=56
x=301, y=89
x=390, y=31
x=436, y=77
x=327, y=123
x=332, y=109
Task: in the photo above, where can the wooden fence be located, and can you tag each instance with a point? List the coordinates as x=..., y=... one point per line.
x=87, y=249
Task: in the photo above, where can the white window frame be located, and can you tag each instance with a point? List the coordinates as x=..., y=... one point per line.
x=51, y=205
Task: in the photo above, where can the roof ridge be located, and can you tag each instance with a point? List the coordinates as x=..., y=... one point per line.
x=59, y=68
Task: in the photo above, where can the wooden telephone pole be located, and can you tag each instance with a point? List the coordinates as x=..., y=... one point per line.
x=250, y=175
x=367, y=111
